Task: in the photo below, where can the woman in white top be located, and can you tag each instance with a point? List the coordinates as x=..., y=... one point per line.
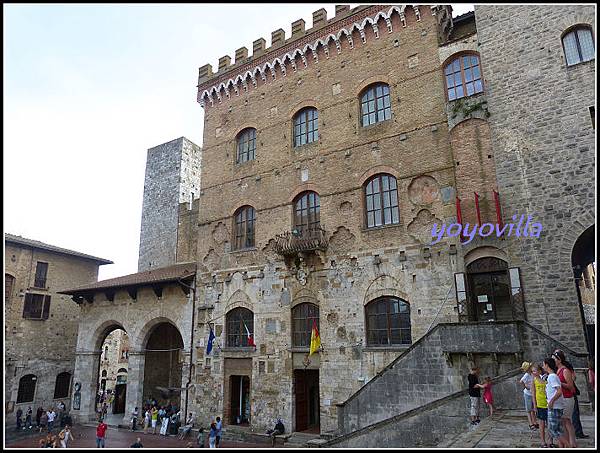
x=65, y=436
x=526, y=381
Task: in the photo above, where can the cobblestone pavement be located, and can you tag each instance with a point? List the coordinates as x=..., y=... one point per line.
x=121, y=438
x=509, y=429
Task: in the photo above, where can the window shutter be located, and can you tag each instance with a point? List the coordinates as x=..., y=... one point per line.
x=27, y=306
x=461, y=293
x=516, y=291
x=41, y=272
x=46, y=312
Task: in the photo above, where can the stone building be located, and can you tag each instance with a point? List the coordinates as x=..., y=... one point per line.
x=40, y=325
x=543, y=133
x=328, y=158
x=172, y=178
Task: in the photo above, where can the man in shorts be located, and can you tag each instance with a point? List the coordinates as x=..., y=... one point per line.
x=474, y=394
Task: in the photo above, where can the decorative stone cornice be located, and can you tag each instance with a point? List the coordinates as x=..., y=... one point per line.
x=211, y=88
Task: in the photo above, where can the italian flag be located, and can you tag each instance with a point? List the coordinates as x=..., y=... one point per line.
x=315, y=339
x=250, y=339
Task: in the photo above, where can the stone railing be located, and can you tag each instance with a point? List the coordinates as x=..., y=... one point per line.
x=297, y=241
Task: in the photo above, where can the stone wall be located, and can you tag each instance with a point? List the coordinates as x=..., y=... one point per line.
x=543, y=140
x=43, y=348
x=172, y=177
x=138, y=318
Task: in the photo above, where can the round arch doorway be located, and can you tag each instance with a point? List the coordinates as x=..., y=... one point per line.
x=583, y=260
x=111, y=392
x=163, y=366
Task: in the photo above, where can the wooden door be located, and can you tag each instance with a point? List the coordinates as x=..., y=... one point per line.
x=301, y=394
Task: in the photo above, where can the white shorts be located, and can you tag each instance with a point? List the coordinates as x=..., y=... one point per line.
x=154, y=423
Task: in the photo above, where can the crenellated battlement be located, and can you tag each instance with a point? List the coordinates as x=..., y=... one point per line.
x=292, y=53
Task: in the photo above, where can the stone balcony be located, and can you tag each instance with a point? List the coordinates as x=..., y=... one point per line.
x=296, y=241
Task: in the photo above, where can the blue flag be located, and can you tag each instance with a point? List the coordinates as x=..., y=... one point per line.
x=211, y=338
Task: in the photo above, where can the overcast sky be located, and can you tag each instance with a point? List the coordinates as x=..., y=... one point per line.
x=88, y=89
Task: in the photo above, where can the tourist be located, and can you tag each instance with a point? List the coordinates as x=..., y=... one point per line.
x=65, y=436
x=51, y=416
x=189, y=424
x=164, y=425
x=154, y=419
x=212, y=435
x=38, y=416
x=579, y=434
x=137, y=444
x=147, y=416
x=200, y=438
x=219, y=426
x=526, y=382
x=488, y=397
x=28, y=416
x=42, y=443
x=101, y=434
x=134, y=416
x=43, y=420
x=50, y=440
x=474, y=394
x=61, y=413
x=555, y=403
x=568, y=392
x=539, y=401
x=19, y=418
x=277, y=431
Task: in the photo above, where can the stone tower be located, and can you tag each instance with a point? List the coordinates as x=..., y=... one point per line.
x=172, y=178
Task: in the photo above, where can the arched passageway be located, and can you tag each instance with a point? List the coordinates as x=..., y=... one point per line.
x=111, y=389
x=163, y=365
x=583, y=260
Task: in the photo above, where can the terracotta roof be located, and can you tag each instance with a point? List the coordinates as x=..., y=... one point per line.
x=52, y=248
x=166, y=274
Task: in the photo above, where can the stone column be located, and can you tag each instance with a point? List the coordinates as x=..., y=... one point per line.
x=185, y=375
x=86, y=377
x=135, y=385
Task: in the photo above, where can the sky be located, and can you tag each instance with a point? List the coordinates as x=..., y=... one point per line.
x=89, y=88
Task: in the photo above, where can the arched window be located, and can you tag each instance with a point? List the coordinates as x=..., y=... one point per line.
x=9, y=282
x=122, y=370
x=307, y=215
x=388, y=322
x=244, y=227
x=303, y=316
x=26, y=389
x=62, y=385
x=239, y=321
x=375, y=104
x=578, y=45
x=381, y=201
x=246, y=145
x=104, y=373
x=105, y=352
x=463, y=76
x=306, y=126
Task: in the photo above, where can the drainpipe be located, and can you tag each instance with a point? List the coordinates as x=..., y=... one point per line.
x=187, y=386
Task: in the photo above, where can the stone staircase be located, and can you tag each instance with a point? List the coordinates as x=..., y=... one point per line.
x=425, y=386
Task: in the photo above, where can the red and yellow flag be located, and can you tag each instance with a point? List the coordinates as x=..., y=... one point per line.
x=315, y=339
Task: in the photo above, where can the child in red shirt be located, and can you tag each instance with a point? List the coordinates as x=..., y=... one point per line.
x=488, y=398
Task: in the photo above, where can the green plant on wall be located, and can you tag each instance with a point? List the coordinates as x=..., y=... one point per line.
x=465, y=108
